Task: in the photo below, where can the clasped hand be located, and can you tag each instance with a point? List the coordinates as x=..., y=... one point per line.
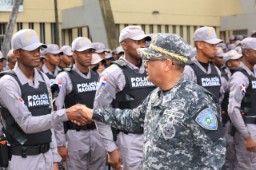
x=80, y=114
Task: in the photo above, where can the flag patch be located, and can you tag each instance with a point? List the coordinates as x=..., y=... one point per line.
x=103, y=81
x=20, y=100
x=242, y=88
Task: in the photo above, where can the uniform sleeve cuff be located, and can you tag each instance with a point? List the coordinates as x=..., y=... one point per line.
x=111, y=147
x=62, y=114
x=56, y=157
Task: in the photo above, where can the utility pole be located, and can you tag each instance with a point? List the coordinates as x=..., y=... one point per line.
x=56, y=38
x=109, y=23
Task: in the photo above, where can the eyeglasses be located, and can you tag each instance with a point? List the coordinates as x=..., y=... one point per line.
x=145, y=61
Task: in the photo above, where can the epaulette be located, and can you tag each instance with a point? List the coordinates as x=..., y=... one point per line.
x=190, y=63
x=236, y=69
x=7, y=72
x=121, y=63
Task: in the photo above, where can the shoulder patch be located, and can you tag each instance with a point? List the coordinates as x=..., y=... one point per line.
x=207, y=119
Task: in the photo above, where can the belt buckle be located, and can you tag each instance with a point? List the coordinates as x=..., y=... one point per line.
x=24, y=151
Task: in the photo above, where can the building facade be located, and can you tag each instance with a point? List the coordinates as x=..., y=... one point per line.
x=182, y=17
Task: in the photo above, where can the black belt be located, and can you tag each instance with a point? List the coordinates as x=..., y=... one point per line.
x=29, y=150
x=126, y=132
x=249, y=120
x=73, y=126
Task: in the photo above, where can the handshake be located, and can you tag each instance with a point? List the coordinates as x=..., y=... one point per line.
x=80, y=114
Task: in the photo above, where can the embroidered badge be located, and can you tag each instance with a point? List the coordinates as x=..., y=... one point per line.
x=207, y=119
x=242, y=88
x=103, y=81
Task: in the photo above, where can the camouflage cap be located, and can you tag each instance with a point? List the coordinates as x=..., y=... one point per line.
x=164, y=44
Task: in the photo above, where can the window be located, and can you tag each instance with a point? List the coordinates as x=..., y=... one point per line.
x=19, y=26
x=79, y=32
x=70, y=37
x=159, y=29
x=42, y=32
x=53, y=33
x=151, y=28
x=174, y=29
x=243, y=32
x=2, y=28
x=188, y=34
x=143, y=27
x=31, y=25
x=63, y=37
x=181, y=31
x=167, y=28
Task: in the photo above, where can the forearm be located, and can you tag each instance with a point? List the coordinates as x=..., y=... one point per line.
x=128, y=120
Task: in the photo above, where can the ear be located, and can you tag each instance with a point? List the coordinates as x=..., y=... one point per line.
x=46, y=57
x=247, y=52
x=17, y=53
x=169, y=64
x=228, y=64
x=74, y=55
x=200, y=45
x=124, y=45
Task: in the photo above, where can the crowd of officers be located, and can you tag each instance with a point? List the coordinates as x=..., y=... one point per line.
x=80, y=70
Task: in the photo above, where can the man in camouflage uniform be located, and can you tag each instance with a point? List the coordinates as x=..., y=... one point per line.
x=180, y=119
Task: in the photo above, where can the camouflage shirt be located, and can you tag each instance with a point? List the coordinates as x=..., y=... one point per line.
x=181, y=127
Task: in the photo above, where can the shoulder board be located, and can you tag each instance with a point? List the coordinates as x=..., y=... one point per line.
x=8, y=72
x=121, y=63
x=190, y=63
x=240, y=69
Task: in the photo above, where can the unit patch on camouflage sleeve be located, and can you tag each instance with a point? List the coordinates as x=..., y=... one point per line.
x=207, y=119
